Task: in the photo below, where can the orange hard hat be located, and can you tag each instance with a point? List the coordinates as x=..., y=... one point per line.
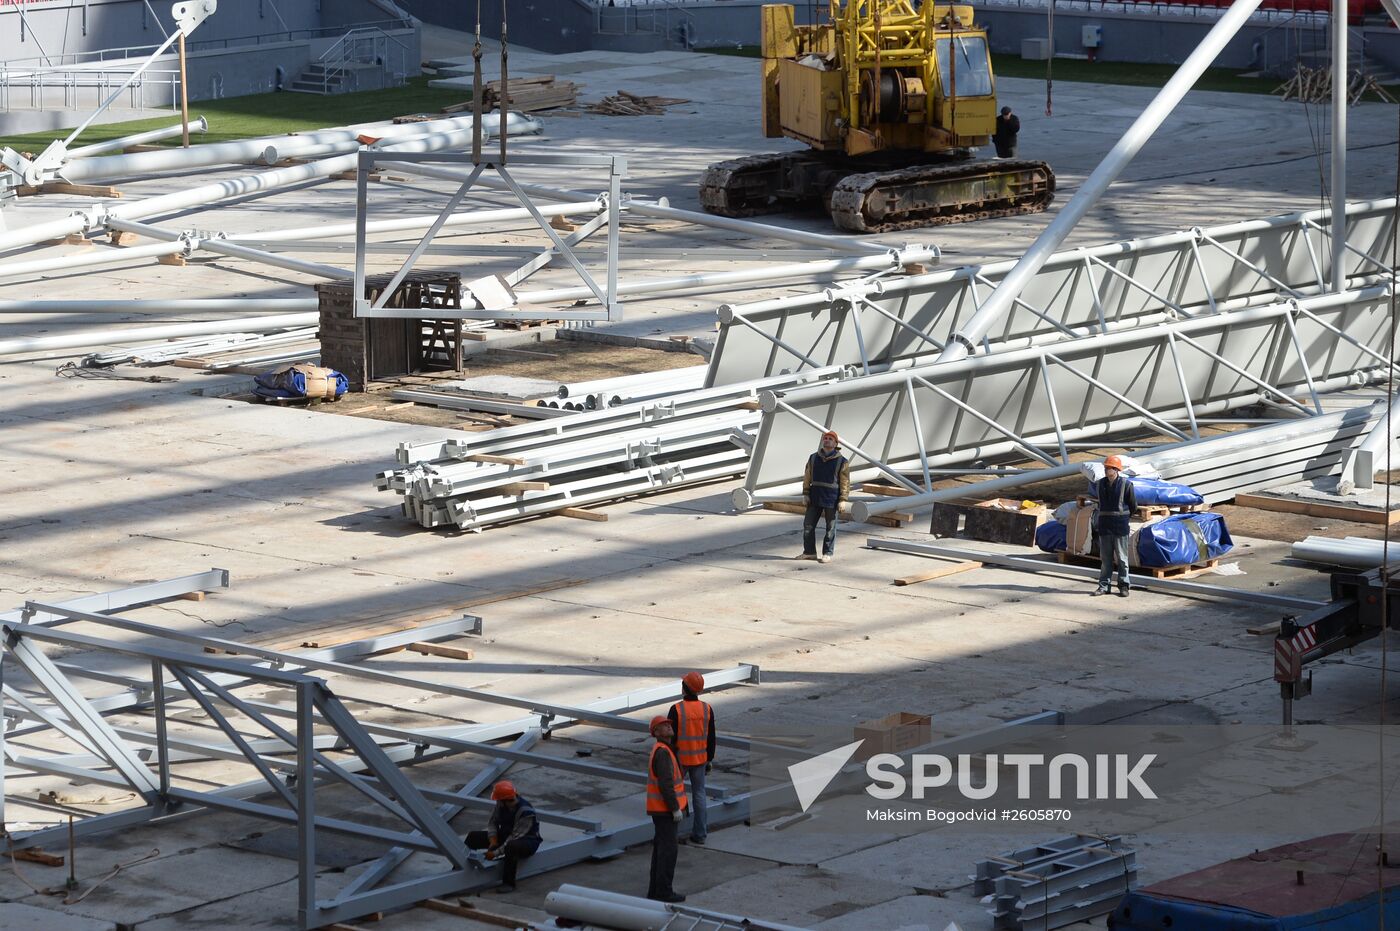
x=832, y=434
x=1113, y=462
x=695, y=682
x=502, y=790
x=657, y=721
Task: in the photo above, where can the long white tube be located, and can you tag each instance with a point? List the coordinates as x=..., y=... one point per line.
x=242, y=305
x=1000, y=301
x=207, y=194
x=1340, y=88
x=118, y=337
x=68, y=263
x=271, y=148
x=199, y=125
x=466, y=218
x=1354, y=552
x=1243, y=442
x=894, y=259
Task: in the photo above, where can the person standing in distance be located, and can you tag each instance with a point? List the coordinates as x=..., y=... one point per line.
x=1008, y=125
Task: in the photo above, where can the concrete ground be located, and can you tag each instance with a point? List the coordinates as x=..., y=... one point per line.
x=113, y=481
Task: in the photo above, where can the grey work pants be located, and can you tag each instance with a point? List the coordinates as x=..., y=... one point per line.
x=1113, y=550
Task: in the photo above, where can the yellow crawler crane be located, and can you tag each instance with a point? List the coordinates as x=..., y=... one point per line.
x=892, y=102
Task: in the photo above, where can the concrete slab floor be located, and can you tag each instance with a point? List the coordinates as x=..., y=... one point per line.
x=110, y=482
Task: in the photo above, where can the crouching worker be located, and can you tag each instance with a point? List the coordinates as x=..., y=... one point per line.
x=512, y=835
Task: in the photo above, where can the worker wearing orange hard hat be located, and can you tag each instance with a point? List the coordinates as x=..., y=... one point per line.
x=826, y=483
x=694, y=723
x=666, y=804
x=1116, y=503
x=512, y=835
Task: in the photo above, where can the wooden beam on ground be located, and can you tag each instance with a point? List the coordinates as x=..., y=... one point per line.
x=581, y=514
x=1321, y=509
x=790, y=507
x=437, y=649
x=35, y=855
x=940, y=572
x=463, y=908
x=1265, y=630
x=888, y=491
x=193, y=596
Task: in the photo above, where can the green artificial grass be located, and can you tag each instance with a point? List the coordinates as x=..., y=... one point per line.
x=271, y=114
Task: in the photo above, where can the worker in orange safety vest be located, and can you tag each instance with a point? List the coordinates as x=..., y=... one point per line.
x=666, y=803
x=694, y=724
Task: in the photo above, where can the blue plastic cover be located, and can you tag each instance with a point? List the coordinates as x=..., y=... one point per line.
x=1183, y=539
x=1052, y=536
x=1156, y=491
x=289, y=383
x=1143, y=911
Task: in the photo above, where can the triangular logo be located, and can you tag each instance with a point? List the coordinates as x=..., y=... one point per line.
x=811, y=777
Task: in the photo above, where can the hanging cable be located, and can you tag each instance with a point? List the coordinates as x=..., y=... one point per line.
x=1049, y=56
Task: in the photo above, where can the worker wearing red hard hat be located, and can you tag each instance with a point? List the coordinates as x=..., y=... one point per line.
x=666, y=805
x=1116, y=503
x=826, y=483
x=512, y=835
x=694, y=723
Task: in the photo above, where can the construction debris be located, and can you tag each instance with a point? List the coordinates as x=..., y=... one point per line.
x=526, y=95
x=1314, y=85
x=1064, y=881
x=625, y=104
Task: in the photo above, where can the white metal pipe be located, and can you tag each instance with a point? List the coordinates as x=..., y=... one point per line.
x=205, y=195
x=659, y=211
x=1353, y=552
x=118, y=337
x=466, y=218
x=269, y=149
x=241, y=305
x=69, y=263
x=1000, y=301
x=893, y=260
x=1242, y=443
x=1340, y=87
x=198, y=125
x=232, y=249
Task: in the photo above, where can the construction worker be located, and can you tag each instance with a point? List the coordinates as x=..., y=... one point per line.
x=694, y=723
x=512, y=835
x=826, y=484
x=1116, y=503
x=666, y=805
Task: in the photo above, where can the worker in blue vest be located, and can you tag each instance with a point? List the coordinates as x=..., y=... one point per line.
x=513, y=833
x=1116, y=503
x=826, y=483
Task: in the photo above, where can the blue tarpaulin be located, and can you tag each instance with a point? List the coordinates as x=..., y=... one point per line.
x=1052, y=536
x=1156, y=491
x=1182, y=540
x=301, y=381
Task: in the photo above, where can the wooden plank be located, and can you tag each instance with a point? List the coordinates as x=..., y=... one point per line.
x=889, y=491
x=1318, y=509
x=1266, y=630
x=499, y=460
x=464, y=909
x=36, y=855
x=581, y=514
x=790, y=507
x=437, y=649
x=81, y=190
x=193, y=596
x=517, y=488
x=940, y=572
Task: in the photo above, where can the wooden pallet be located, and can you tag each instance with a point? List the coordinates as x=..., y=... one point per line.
x=1156, y=572
x=1322, y=509
x=1150, y=511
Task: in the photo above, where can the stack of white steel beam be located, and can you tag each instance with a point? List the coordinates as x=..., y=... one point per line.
x=579, y=459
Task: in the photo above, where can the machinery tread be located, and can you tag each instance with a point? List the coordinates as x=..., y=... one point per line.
x=851, y=195
x=721, y=186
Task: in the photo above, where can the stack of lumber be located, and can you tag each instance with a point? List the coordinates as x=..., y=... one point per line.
x=625, y=104
x=527, y=95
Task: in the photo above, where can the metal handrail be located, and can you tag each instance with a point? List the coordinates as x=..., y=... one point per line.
x=336, y=60
x=72, y=82
x=119, y=53
x=632, y=18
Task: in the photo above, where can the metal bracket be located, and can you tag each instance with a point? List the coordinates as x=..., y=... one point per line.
x=189, y=15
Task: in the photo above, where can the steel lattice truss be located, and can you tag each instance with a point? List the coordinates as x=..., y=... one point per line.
x=1079, y=292
x=307, y=761
x=1034, y=402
